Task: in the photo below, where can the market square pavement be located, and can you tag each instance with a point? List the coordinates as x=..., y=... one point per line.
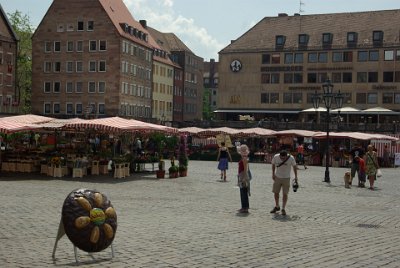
x=193, y=222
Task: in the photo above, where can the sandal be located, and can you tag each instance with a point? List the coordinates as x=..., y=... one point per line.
x=275, y=209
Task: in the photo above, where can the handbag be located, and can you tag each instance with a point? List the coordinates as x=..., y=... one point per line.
x=378, y=172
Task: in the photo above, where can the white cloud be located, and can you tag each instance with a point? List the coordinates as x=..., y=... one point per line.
x=162, y=17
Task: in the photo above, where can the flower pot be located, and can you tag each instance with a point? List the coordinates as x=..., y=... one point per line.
x=173, y=175
x=183, y=173
x=160, y=174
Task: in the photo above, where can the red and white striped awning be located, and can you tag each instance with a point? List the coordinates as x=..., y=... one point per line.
x=219, y=130
x=258, y=132
x=118, y=124
x=190, y=130
x=8, y=127
x=18, y=123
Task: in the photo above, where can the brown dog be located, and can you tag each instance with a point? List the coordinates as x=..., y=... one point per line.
x=347, y=178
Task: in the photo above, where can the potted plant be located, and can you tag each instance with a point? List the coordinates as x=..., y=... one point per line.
x=173, y=169
x=183, y=158
x=182, y=171
x=161, y=169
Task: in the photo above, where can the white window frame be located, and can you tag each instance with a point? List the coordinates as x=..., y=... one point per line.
x=91, y=83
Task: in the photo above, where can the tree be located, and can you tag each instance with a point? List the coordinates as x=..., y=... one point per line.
x=23, y=80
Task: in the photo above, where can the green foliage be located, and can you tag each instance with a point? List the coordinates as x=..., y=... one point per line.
x=173, y=169
x=171, y=142
x=22, y=27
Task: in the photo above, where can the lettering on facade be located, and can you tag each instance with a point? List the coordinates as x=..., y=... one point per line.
x=282, y=69
x=330, y=68
x=235, y=99
x=381, y=87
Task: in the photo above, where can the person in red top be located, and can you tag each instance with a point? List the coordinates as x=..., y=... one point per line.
x=361, y=171
x=300, y=155
x=243, y=178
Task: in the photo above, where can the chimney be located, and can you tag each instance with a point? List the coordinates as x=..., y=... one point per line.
x=296, y=14
x=143, y=23
x=282, y=15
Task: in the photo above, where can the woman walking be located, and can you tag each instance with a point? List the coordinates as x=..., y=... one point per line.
x=222, y=158
x=243, y=178
x=371, y=163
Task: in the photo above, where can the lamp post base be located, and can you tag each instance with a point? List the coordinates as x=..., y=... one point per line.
x=327, y=178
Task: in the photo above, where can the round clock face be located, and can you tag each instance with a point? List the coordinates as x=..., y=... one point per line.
x=236, y=66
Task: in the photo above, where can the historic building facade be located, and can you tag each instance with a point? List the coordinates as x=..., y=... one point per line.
x=276, y=66
x=9, y=94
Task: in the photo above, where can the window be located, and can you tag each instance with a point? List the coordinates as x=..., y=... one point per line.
x=47, y=107
x=79, y=46
x=276, y=58
x=362, y=55
x=70, y=27
x=47, y=66
x=69, y=67
x=347, y=77
x=57, y=87
x=79, y=67
x=288, y=58
x=264, y=98
x=275, y=78
x=372, y=98
x=288, y=78
x=287, y=98
x=102, y=108
x=348, y=56
x=347, y=98
x=362, y=77
x=60, y=28
x=47, y=87
x=297, y=98
x=372, y=77
x=397, y=55
x=387, y=98
x=80, y=26
x=280, y=40
x=69, y=108
x=57, y=66
x=374, y=55
x=79, y=87
x=298, y=58
x=57, y=46
x=298, y=78
x=90, y=25
x=92, y=87
x=102, y=45
x=92, y=66
x=70, y=46
x=311, y=78
x=265, y=78
x=274, y=97
x=102, y=66
x=377, y=36
x=102, y=87
x=322, y=77
x=78, y=108
x=361, y=98
x=389, y=55
x=47, y=47
x=69, y=87
x=56, y=108
x=327, y=38
x=397, y=98
x=303, y=39
x=351, y=38
x=397, y=76
x=266, y=59
x=323, y=57
x=388, y=77
x=312, y=57
x=337, y=56
x=92, y=45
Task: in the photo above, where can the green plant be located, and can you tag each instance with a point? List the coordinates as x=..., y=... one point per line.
x=161, y=164
x=173, y=169
x=182, y=168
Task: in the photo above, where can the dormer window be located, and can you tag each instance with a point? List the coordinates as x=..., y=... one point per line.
x=280, y=40
x=327, y=38
x=303, y=39
x=351, y=37
x=377, y=36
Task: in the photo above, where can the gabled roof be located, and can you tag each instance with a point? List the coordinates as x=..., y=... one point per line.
x=175, y=43
x=14, y=36
x=261, y=37
x=159, y=38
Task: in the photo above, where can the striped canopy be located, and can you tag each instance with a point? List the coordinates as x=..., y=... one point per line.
x=18, y=123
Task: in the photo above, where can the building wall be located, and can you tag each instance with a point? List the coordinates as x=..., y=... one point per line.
x=163, y=84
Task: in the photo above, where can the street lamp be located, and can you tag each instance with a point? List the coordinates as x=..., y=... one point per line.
x=327, y=96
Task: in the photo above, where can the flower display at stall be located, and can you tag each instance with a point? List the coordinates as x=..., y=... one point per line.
x=57, y=161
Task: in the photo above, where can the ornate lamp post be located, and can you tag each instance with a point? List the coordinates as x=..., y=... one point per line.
x=327, y=96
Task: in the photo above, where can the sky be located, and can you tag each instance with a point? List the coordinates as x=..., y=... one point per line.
x=207, y=26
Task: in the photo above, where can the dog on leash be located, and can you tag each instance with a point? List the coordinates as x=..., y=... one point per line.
x=347, y=179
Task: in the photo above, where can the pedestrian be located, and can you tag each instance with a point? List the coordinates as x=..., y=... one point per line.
x=223, y=157
x=300, y=155
x=386, y=156
x=355, y=151
x=361, y=172
x=371, y=163
x=243, y=178
x=282, y=163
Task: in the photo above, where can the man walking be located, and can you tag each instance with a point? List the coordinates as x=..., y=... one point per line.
x=281, y=166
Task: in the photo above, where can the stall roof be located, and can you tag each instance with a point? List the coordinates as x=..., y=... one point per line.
x=259, y=111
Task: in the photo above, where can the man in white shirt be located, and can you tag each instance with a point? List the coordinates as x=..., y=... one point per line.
x=282, y=164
